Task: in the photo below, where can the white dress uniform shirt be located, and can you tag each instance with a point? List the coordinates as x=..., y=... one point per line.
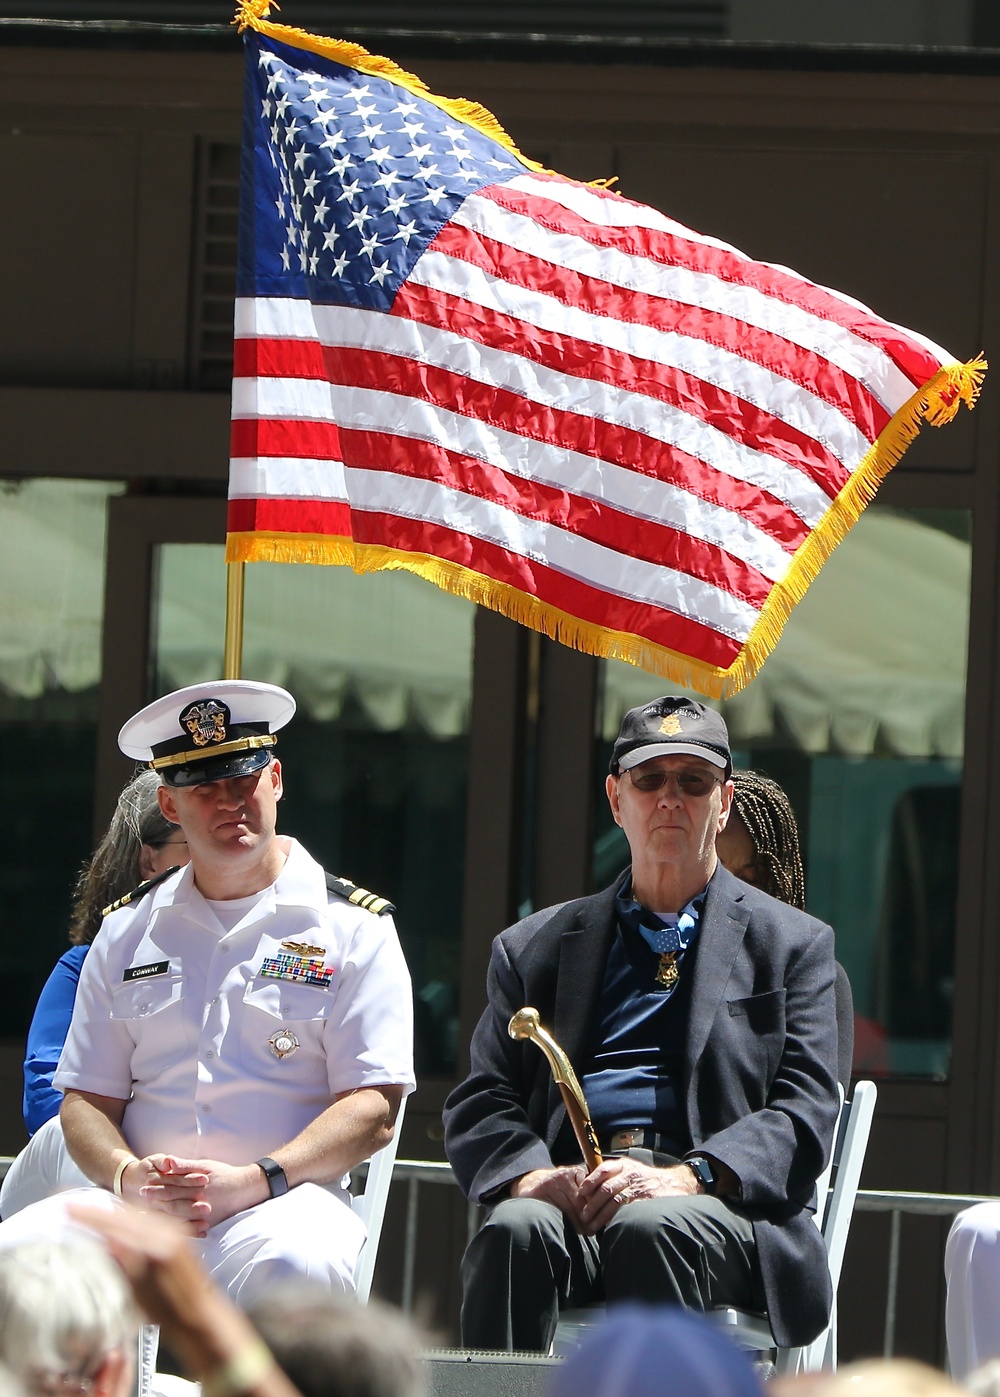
x=217, y=1053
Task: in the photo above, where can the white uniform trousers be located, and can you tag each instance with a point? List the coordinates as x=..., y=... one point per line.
x=42, y=1168
x=307, y=1233
x=972, y=1271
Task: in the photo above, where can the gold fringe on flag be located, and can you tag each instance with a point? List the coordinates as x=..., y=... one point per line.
x=250, y=14
x=937, y=403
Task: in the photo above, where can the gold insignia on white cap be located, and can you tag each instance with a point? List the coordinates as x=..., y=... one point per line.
x=228, y=722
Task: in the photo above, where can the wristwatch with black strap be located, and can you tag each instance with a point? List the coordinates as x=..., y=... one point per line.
x=276, y=1181
x=704, y=1172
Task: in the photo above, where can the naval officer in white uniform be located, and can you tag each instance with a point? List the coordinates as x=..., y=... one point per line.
x=242, y=1034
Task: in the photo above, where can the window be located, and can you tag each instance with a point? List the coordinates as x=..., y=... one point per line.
x=52, y=547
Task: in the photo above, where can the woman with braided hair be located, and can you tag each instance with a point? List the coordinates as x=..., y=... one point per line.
x=760, y=844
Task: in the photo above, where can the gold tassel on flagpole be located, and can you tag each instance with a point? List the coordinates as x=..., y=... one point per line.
x=232, y=657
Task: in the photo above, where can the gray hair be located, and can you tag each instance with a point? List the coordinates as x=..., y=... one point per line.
x=113, y=870
x=65, y=1307
x=330, y=1346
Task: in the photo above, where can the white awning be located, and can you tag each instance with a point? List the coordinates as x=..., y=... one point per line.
x=873, y=659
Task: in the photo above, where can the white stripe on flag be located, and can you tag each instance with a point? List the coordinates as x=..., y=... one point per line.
x=627, y=491
x=858, y=357
x=274, y=317
x=787, y=401
x=613, y=213
x=306, y=399
x=546, y=543
x=286, y=477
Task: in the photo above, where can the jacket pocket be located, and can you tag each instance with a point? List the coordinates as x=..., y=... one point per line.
x=765, y=1013
x=758, y=1025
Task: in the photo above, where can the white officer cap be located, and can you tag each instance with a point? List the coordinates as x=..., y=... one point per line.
x=208, y=732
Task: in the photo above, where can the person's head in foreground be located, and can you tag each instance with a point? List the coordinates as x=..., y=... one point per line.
x=760, y=843
x=329, y=1346
x=880, y=1377
x=656, y=1351
x=67, y=1323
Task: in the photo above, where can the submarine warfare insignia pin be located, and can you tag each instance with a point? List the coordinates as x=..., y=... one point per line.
x=302, y=948
x=283, y=1043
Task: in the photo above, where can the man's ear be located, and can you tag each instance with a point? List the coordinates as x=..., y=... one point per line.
x=611, y=786
x=277, y=785
x=168, y=806
x=728, y=790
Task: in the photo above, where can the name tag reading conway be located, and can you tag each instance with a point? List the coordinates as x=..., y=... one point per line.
x=143, y=972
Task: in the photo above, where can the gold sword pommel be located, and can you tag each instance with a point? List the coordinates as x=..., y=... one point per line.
x=526, y=1025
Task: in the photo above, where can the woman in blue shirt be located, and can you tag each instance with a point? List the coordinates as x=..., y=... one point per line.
x=139, y=844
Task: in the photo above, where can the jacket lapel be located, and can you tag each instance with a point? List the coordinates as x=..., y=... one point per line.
x=724, y=924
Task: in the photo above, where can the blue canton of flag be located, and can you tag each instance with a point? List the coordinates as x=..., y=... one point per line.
x=353, y=176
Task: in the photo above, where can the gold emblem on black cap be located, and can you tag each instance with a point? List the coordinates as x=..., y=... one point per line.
x=671, y=725
x=206, y=722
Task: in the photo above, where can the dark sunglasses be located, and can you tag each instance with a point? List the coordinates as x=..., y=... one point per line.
x=690, y=781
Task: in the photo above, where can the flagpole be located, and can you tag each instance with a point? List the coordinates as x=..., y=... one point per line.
x=232, y=659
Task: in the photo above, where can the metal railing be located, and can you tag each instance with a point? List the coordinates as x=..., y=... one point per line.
x=873, y=1200
x=414, y=1172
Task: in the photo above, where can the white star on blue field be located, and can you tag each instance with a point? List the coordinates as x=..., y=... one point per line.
x=352, y=177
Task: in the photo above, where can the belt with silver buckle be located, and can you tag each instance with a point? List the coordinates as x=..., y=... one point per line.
x=637, y=1138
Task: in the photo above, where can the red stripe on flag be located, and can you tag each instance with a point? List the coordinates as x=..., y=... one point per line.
x=623, y=533
x=590, y=604
x=590, y=436
x=300, y=516
x=278, y=358
x=278, y=436
x=296, y=358
x=780, y=356
x=675, y=250
x=734, y=416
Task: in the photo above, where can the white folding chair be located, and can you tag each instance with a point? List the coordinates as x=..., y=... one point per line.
x=836, y=1191
x=369, y=1205
x=833, y=1218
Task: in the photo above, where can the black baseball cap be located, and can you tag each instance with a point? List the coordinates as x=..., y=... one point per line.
x=668, y=727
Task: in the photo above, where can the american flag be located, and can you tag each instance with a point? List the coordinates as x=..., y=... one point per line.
x=532, y=391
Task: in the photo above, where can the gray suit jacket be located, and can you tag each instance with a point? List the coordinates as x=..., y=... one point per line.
x=760, y=1071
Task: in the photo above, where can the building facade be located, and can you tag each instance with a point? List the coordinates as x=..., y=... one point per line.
x=445, y=757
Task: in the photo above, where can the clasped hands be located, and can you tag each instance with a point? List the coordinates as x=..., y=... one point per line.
x=197, y=1192
x=590, y=1201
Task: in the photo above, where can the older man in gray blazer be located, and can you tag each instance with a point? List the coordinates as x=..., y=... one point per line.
x=700, y=1015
